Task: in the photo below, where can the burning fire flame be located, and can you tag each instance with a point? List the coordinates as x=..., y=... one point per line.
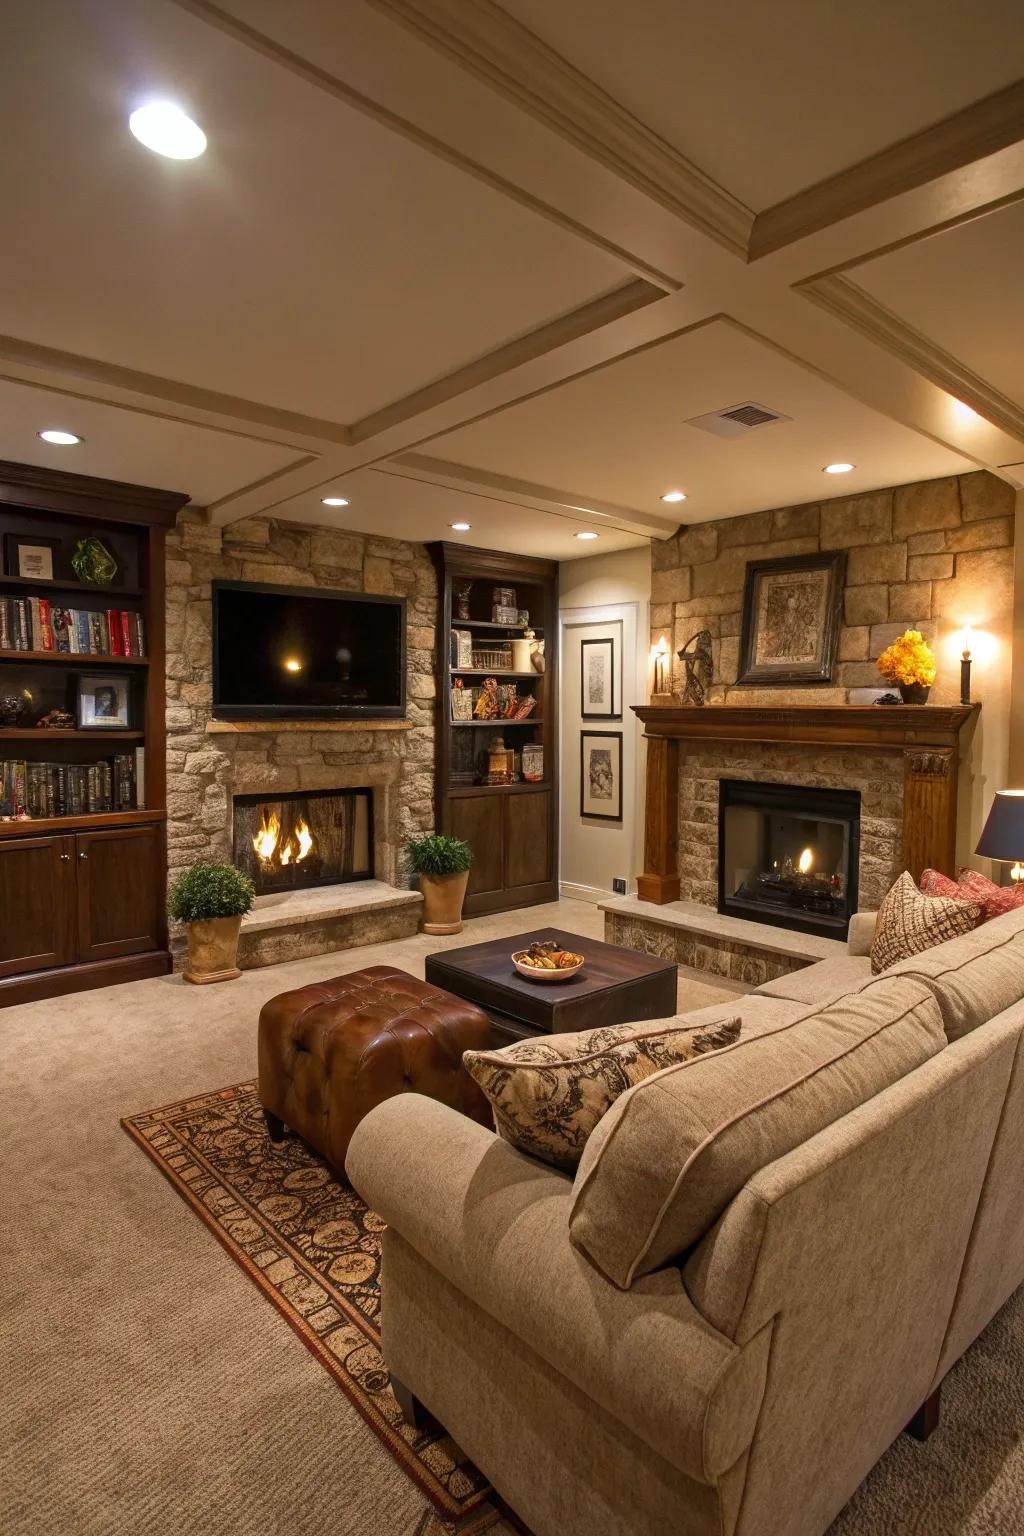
x=805, y=861
x=268, y=838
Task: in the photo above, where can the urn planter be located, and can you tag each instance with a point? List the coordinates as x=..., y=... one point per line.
x=213, y=950
x=443, y=896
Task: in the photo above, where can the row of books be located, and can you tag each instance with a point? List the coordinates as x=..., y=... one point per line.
x=36, y=624
x=68, y=789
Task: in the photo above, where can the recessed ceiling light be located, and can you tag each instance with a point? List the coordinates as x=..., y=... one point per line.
x=674, y=496
x=167, y=130
x=838, y=469
x=55, y=435
x=459, y=527
x=588, y=533
x=334, y=501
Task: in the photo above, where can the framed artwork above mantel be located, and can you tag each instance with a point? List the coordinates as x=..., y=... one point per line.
x=791, y=616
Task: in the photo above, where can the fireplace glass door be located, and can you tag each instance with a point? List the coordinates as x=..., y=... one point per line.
x=789, y=855
x=307, y=837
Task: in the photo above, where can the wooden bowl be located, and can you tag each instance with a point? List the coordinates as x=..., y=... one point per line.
x=540, y=973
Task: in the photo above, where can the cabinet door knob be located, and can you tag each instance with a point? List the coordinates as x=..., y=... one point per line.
x=66, y=857
x=83, y=855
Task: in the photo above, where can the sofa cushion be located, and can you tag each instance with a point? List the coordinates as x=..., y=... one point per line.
x=822, y=983
x=909, y=922
x=971, y=885
x=976, y=976
x=671, y=1153
x=548, y=1095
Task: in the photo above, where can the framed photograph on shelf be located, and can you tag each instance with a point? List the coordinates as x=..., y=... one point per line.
x=30, y=555
x=103, y=703
x=601, y=775
x=791, y=620
x=599, y=685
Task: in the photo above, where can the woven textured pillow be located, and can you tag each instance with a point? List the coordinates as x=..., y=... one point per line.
x=549, y=1094
x=910, y=922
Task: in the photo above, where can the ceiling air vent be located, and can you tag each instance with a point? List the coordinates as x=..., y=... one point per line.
x=738, y=420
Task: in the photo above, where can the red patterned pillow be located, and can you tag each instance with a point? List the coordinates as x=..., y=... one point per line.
x=934, y=883
x=995, y=899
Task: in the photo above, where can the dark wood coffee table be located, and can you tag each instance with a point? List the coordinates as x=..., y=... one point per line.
x=615, y=986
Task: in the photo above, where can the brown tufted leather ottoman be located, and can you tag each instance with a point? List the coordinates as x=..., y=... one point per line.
x=331, y=1051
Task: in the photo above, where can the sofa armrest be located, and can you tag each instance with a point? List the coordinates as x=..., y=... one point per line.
x=495, y=1224
x=862, y=933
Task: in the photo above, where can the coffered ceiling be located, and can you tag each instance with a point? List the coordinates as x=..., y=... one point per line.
x=462, y=262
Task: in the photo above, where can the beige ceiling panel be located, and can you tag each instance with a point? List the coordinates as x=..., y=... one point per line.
x=770, y=99
x=404, y=507
x=620, y=433
x=128, y=445
x=963, y=290
x=311, y=258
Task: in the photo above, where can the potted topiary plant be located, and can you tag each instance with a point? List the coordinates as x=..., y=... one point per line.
x=909, y=663
x=442, y=864
x=211, y=899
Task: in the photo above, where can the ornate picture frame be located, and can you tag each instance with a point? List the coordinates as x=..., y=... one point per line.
x=791, y=618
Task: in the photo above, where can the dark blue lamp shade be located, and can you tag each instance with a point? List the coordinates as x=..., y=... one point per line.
x=1003, y=834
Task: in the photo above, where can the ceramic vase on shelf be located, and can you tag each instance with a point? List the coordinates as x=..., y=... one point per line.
x=914, y=693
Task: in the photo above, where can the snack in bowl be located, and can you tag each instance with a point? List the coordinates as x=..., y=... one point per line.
x=547, y=961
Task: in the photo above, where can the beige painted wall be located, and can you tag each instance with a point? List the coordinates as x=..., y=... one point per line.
x=594, y=594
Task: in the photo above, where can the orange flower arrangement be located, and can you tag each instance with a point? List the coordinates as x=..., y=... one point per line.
x=908, y=660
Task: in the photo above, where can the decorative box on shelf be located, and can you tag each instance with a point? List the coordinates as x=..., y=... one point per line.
x=488, y=658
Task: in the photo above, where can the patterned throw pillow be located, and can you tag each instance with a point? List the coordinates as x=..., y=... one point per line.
x=995, y=899
x=909, y=922
x=549, y=1094
x=972, y=886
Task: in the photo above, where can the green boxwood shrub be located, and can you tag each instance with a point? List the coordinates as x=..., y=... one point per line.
x=439, y=855
x=210, y=890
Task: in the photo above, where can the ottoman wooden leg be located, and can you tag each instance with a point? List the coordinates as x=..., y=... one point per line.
x=275, y=1126
x=413, y=1411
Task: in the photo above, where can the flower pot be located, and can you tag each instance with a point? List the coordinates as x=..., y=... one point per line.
x=213, y=950
x=443, y=896
x=914, y=693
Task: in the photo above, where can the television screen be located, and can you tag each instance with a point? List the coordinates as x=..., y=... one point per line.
x=305, y=653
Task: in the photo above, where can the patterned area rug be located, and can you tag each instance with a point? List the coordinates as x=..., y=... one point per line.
x=313, y=1248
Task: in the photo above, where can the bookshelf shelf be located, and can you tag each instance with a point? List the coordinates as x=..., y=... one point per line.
x=488, y=624
x=38, y=735
x=498, y=723
x=74, y=659
x=99, y=819
x=493, y=672
x=35, y=584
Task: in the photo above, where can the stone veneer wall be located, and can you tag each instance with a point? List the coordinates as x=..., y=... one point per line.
x=933, y=555
x=204, y=770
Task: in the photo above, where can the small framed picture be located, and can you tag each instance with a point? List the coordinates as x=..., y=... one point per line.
x=601, y=775
x=30, y=555
x=599, y=691
x=103, y=703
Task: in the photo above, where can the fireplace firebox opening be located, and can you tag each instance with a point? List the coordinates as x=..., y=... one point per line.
x=291, y=840
x=788, y=855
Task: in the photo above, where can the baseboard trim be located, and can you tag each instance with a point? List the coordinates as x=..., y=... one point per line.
x=592, y=893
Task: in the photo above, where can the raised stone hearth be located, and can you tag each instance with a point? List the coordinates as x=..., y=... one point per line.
x=294, y=925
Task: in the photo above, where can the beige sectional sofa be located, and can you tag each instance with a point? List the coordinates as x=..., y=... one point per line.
x=729, y=1345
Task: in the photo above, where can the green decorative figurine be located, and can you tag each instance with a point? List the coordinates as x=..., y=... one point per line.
x=93, y=563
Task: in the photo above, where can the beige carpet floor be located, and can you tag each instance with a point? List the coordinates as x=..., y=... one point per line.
x=145, y=1384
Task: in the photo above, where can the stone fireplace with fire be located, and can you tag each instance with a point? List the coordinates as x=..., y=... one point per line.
x=304, y=838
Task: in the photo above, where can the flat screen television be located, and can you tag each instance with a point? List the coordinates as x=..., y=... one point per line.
x=304, y=653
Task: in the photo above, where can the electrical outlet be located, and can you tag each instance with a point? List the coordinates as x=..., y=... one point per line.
x=619, y=887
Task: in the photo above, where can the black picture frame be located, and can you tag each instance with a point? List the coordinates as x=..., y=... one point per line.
x=15, y=542
x=614, y=738
x=818, y=668
x=87, y=686
x=587, y=710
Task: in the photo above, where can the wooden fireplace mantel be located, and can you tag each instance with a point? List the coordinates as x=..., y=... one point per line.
x=928, y=736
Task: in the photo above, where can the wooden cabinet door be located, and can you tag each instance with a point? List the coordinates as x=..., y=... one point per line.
x=120, y=896
x=528, y=840
x=477, y=819
x=37, y=909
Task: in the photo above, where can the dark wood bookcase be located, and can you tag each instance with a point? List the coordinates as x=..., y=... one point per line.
x=82, y=897
x=512, y=829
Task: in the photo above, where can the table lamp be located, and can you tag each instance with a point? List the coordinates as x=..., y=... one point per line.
x=1002, y=837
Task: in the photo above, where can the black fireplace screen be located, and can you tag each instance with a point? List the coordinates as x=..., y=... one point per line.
x=303, y=838
x=789, y=855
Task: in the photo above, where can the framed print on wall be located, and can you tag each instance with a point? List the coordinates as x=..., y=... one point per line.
x=103, y=703
x=791, y=620
x=601, y=775
x=600, y=690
